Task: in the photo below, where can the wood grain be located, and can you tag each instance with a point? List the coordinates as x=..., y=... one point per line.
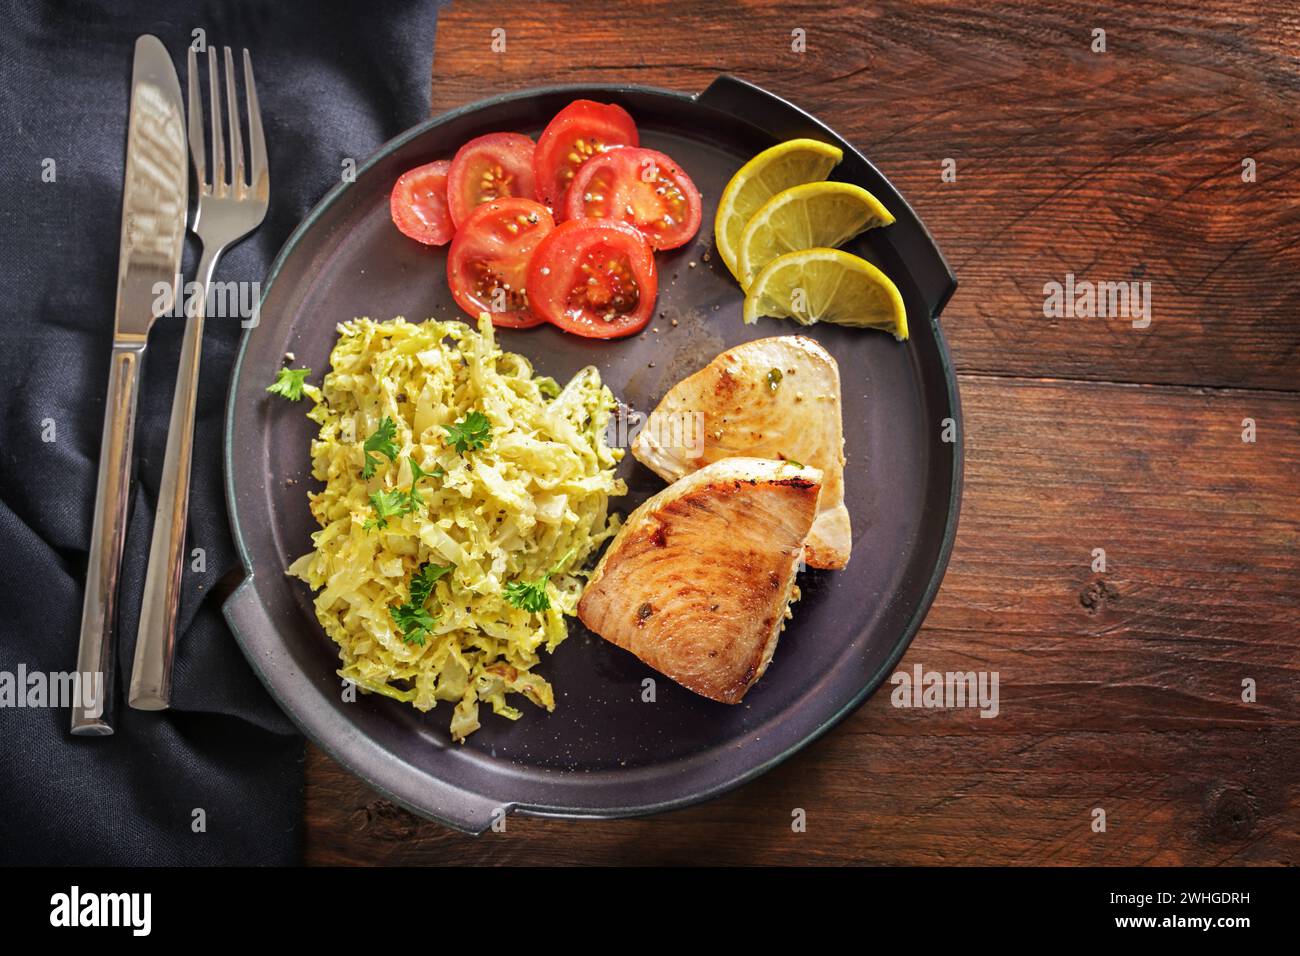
x=1116, y=166
x=1120, y=690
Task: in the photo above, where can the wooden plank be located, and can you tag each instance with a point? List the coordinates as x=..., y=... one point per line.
x=1114, y=167
x=1120, y=690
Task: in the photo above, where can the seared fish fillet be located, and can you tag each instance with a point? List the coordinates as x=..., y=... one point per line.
x=698, y=581
x=771, y=398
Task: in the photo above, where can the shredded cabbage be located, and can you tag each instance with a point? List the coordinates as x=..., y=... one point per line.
x=533, y=501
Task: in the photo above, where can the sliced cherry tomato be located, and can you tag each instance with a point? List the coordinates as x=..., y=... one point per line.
x=595, y=277
x=419, y=204
x=641, y=187
x=495, y=166
x=578, y=132
x=487, y=266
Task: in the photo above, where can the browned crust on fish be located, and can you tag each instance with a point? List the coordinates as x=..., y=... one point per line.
x=744, y=415
x=696, y=585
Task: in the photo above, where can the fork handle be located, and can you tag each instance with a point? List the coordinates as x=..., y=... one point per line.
x=108, y=533
x=155, y=644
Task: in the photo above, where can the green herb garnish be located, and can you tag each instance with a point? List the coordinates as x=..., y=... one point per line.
x=382, y=443
x=417, y=472
x=414, y=621
x=471, y=433
x=395, y=503
x=413, y=498
x=388, y=504
x=412, y=617
x=531, y=595
x=288, y=382
x=425, y=578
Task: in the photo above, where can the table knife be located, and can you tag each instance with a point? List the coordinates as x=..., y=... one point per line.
x=154, y=201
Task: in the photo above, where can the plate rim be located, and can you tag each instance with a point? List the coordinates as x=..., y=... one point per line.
x=246, y=591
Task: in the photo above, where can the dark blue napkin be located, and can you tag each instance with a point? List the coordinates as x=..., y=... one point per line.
x=218, y=778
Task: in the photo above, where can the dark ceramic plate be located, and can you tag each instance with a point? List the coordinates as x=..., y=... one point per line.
x=603, y=752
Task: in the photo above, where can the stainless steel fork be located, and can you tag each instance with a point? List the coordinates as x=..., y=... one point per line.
x=229, y=208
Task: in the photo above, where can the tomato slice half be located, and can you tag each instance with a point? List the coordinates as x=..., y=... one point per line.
x=639, y=186
x=579, y=131
x=595, y=277
x=418, y=204
x=487, y=266
x=495, y=166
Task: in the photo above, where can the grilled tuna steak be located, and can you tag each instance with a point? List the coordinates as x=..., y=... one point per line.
x=698, y=581
x=770, y=398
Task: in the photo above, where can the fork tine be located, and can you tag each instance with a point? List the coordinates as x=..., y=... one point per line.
x=196, y=121
x=256, y=142
x=236, y=138
x=218, y=142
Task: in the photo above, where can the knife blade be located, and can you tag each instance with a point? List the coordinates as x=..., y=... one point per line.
x=155, y=195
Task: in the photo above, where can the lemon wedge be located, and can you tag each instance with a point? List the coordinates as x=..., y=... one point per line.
x=808, y=216
x=827, y=285
x=787, y=164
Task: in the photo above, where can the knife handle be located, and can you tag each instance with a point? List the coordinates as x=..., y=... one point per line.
x=108, y=533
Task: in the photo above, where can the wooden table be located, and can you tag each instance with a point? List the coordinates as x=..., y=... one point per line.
x=1120, y=690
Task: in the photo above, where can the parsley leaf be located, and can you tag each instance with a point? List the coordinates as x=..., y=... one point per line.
x=471, y=433
x=425, y=578
x=387, y=504
x=382, y=442
x=288, y=382
x=528, y=595
x=411, y=617
x=414, y=621
x=414, y=500
x=395, y=503
x=417, y=472
x=531, y=595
